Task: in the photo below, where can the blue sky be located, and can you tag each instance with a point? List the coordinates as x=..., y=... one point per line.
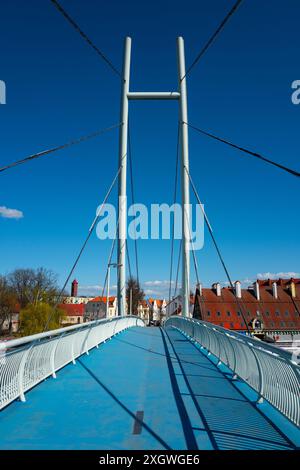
x=58, y=89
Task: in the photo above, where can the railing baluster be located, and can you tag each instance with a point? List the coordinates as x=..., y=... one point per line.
x=21, y=371
x=25, y=371
x=265, y=368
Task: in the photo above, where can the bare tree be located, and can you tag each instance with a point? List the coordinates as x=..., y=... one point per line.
x=32, y=286
x=135, y=293
x=7, y=302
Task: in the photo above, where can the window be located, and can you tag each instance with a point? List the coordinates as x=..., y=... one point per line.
x=292, y=323
x=208, y=313
x=272, y=324
x=248, y=313
x=267, y=313
x=277, y=313
x=218, y=314
x=228, y=314
x=282, y=323
x=242, y=324
x=231, y=325
x=238, y=314
x=287, y=313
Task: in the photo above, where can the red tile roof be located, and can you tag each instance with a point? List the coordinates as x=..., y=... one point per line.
x=73, y=310
x=282, y=313
x=103, y=299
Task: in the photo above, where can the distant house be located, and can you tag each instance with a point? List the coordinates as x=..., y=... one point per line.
x=11, y=325
x=174, y=307
x=143, y=310
x=74, y=314
x=157, y=309
x=96, y=308
x=76, y=300
x=268, y=306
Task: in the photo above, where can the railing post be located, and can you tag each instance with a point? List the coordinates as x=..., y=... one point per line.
x=260, y=398
x=72, y=349
x=86, y=340
x=52, y=356
x=234, y=377
x=209, y=341
x=21, y=374
x=219, y=346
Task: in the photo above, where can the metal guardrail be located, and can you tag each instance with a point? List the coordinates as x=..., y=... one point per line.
x=271, y=372
x=24, y=362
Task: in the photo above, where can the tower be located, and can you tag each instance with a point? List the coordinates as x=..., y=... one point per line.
x=74, y=288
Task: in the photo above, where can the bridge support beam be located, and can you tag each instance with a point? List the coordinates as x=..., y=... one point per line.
x=181, y=96
x=123, y=180
x=185, y=193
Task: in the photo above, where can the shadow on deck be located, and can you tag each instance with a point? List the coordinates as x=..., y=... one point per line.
x=147, y=388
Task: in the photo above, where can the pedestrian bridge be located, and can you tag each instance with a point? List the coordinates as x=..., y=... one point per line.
x=186, y=386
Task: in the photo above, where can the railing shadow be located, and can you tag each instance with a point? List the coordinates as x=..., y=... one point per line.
x=228, y=418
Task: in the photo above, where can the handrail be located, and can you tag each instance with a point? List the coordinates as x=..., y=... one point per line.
x=270, y=371
x=24, y=362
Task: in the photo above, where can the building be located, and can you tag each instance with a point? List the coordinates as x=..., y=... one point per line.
x=268, y=307
x=74, y=288
x=144, y=311
x=174, y=307
x=96, y=308
x=74, y=314
x=74, y=298
x=11, y=324
x=157, y=309
x=77, y=300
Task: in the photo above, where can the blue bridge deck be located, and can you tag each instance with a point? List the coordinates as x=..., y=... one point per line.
x=147, y=388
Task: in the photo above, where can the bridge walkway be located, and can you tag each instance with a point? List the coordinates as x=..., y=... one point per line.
x=147, y=388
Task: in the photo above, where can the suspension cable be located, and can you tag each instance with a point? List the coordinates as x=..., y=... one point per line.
x=128, y=260
x=91, y=229
x=213, y=37
x=194, y=255
x=174, y=200
x=242, y=149
x=59, y=147
x=110, y=257
x=217, y=248
x=133, y=202
x=84, y=36
x=177, y=272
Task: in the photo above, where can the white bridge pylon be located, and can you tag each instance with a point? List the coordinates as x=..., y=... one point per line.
x=126, y=96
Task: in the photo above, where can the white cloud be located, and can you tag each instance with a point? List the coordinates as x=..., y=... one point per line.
x=152, y=292
x=244, y=282
x=95, y=290
x=10, y=213
x=158, y=283
x=282, y=275
x=159, y=288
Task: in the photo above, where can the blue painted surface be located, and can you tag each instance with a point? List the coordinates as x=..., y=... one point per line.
x=187, y=402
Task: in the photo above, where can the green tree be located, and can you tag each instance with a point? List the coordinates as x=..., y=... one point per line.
x=34, y=318
x=135, y=293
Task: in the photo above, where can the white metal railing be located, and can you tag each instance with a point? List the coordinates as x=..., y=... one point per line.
x=24, y=362
x=271, y=372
